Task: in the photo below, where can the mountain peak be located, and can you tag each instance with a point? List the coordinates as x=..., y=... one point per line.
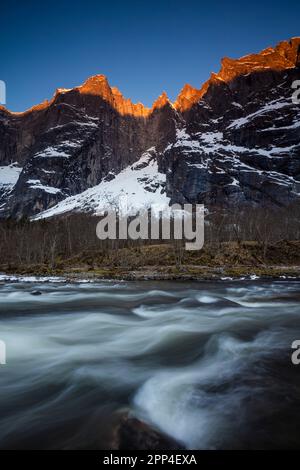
x=187, y=97
x=96, y=85
x=87, y=136
x=161, y=101
x=284, y=55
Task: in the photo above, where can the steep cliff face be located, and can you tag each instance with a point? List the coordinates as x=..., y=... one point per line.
x=234, y=141
x=241, y=140
x=71, y=143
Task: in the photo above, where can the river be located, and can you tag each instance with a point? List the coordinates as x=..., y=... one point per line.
x=208, y=363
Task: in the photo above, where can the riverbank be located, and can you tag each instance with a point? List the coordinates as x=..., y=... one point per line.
x=228, y=260
x=185, y=273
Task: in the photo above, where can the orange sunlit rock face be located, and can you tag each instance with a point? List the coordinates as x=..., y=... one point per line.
x=44, y=105
x=187, y=98
x=285, y=55
x=38, y=107
x=161, y=101
x=98, y=85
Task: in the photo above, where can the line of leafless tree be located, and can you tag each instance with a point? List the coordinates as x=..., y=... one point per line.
x=27, y=242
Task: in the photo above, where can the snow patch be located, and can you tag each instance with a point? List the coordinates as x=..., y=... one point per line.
x=142, y=183
x=36, y=184
x=210, y=137
x=51, y=152
x=271, y=106
x=9, y=176
x=22, y=278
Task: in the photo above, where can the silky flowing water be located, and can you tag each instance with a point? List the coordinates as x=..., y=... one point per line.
x=208, y=364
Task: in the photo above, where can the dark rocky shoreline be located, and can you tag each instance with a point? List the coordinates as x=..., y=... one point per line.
x=187, y=273
x=130, y=433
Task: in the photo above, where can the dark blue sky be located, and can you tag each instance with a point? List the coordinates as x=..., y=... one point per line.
x=144, y=47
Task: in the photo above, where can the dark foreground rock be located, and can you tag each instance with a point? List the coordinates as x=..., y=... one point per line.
x=132, y=434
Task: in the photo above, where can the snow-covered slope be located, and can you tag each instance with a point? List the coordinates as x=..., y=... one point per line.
x=141, y=183
x=9, y=176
